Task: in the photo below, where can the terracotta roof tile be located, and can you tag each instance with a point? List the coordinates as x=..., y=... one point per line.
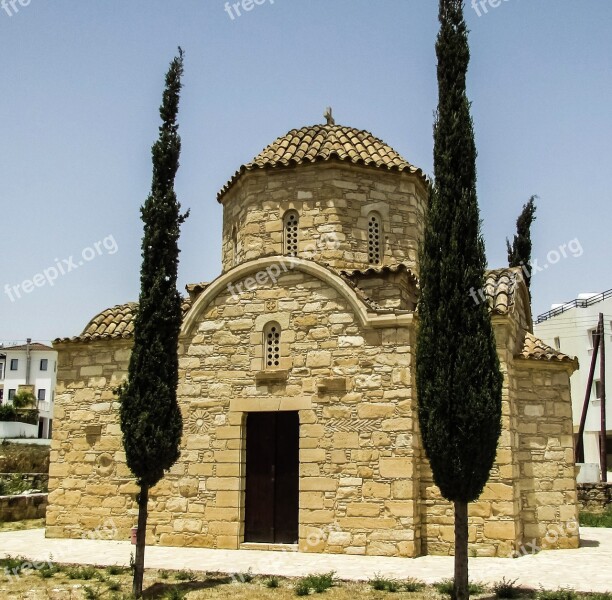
x=500, y=287
x=536, y=349
x=113, y=323
x=322, y=143
x=34, y=347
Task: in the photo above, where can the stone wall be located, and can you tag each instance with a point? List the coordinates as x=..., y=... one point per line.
x=595, y=497
x=18, y=508
x=546, y=454
x=333, y=201
x=365, y=487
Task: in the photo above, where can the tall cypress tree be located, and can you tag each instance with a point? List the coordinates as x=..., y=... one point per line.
x=458, y=375
x=519, y=252
x=150, y=416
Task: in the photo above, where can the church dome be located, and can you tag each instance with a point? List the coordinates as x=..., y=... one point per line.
x=319, y=143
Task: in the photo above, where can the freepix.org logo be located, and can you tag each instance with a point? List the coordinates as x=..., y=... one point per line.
x=11, y=7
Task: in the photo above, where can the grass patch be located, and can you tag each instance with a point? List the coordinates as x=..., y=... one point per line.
x=115, y=570
x=604, y=519
x=22, y=525
x=24, y=458
x=82, y=573
x=273, y=582
x=560, y=594
x=90, y=593
x=185, y=576
x=414, y=585
x=174, y=594
x=446, y=588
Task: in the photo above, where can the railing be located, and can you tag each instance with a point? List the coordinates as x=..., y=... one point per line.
x=573, y=304
x=43, y=406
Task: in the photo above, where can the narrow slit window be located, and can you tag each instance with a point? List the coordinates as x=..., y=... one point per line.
x=272, y=334
x=234, y=247
x=374, y=239
x=291, y=227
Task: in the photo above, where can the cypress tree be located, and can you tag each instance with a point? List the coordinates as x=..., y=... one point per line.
x=457, y=371
x=519, y=252
x=151, y=420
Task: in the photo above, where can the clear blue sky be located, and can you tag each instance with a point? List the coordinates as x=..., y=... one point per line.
x=82, y=82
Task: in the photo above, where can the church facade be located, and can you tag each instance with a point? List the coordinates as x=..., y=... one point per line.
x=297, y=383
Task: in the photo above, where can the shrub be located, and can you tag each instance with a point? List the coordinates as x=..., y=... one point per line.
x=272, y=582
x=413, y=585
x=163, y=574
x=115, y=570
x=246, y=577
x=7, y=413
x=302, y=588
x=384, y=584
x=506, y=589
x=447, y=586
x=113, y=586
x=185, y=576
x=320, y=582
x=91, y=593
x=83, y=573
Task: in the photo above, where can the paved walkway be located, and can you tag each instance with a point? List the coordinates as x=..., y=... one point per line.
x=588, y=568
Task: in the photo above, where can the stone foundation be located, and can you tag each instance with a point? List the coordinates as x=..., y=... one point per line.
x=595, y=497
x=18, y=508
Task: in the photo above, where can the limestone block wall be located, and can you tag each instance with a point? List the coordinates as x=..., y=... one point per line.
x=546, y=454
x=333, y=202
x=365, y=486
x=89, y=481
x=353, y=390
x=495, y=522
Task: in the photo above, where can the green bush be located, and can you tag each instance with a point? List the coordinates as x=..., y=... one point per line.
x=319, y=582
x=272, y=582
x=302, y=588
x=185, y=576
x=175, y=594
x=7, y=413
x=82, y=573
x=506, y=589
x=115, y=570
x=447, y=586
x=91, y=593
x=383, y=584
x=413, y=585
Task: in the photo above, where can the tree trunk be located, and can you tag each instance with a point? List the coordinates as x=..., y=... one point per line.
x=461, y=551
x=141, y=535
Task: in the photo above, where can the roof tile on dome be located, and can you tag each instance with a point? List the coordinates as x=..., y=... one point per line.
x=116, y=322
x=536, y=349
x=319, y=143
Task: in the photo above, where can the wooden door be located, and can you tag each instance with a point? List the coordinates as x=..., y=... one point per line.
x=272, y=477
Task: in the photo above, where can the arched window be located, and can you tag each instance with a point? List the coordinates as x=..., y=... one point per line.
x=374, y=239
x=291, y=222
x=271, y=342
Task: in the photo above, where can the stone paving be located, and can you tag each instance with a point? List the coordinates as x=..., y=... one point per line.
x=588, y=568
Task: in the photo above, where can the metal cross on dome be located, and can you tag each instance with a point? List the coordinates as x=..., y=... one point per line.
x=328, y=116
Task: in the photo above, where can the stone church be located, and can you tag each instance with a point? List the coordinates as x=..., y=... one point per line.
x=297, y=382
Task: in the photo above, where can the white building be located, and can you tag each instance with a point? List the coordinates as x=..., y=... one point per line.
x=570, y=327
x=34, y=365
